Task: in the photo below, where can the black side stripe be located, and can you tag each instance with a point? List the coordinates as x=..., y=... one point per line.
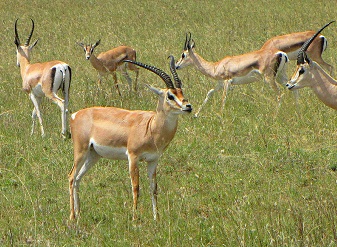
x=53, y=72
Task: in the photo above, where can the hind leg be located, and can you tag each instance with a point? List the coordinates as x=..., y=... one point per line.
x=128, y=79
x=36, y=112
x=81, y=166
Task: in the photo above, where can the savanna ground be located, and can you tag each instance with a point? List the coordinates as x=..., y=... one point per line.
x=253, y=175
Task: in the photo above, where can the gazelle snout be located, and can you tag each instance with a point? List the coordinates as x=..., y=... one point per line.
x=290, y=85
x=178, y=64
x=187, y=108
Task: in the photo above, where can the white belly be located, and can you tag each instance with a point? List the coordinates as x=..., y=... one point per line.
x=252, y=76
x=115, y=153
x=121, y=153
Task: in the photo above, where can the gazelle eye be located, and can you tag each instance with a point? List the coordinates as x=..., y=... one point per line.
x=183, y=55
x=301, y=71
x=170, y=97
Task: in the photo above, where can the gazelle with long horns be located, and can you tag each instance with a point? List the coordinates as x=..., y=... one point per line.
x=242, y=69
x=121, y=134
x=310, y=74
x=111, y=61
x=43, y=79
x=292, y=42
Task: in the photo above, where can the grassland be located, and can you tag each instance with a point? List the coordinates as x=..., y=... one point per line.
x=255, y=175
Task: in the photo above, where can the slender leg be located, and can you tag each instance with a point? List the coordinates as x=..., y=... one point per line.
x=209, y=95
x=116, y=82
x=151, y=171
x=134, y=175
x=127, y=77
x=227, y=84
x=135, y=86
x=33, y=120
x=81, y=166
x=99, y=80
x=61, y=103
x=36, y=101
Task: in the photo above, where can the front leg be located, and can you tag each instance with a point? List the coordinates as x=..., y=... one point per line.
x=226, y=86
x=134, y=175
x=209, y=95
x=114, y=75
x=151, y=171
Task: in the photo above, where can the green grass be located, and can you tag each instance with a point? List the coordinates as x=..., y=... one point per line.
x=251, y=176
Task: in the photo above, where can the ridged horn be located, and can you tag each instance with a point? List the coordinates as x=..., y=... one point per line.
x=302, y=52
x=30, y=35
x=174, y=72
x=188, y=41
x=17, y=39
x=165, y=77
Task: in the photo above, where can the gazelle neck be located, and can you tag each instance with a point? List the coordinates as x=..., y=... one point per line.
x=24, y=61
x=325, y=86
x=96, y=63
x=163, y=125
x=205, y=67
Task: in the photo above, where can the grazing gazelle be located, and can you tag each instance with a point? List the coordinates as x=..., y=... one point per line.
x=310, y=74
x=292, y=42
x=111, y=61
x=43, y=79
x=119, y=134
x=242, y=69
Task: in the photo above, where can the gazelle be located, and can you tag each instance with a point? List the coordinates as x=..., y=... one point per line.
x=111, y=61
x=121, y=134
x=291, y=44
x=242, y=69
x=310, y=74
x=43, y=79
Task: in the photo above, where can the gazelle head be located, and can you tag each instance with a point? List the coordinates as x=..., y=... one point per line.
x=302, y=75
x=185, y=60
x=88, y=49
x=23, y=50
x=172, y=98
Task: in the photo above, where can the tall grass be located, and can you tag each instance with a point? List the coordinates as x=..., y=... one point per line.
x=254, y=175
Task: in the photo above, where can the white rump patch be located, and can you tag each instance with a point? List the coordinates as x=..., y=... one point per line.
x=73, y=116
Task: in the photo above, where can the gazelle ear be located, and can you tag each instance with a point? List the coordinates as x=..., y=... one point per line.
x=157, y=91
x=306, y=58
x=34, y=44
x=192, y=44
x=97, y=43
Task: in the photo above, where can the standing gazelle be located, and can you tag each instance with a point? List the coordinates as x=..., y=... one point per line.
x=309, y=74
x=111, y=61
x=121, y=134
x=43, y=79
x=242, y=69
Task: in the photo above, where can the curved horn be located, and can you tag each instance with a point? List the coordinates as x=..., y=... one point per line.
x=30, y=35
x=159, y=72
x=17, y=39
x=97, y=43
x=174, y=72
x=187, y=40
x=301, y=54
